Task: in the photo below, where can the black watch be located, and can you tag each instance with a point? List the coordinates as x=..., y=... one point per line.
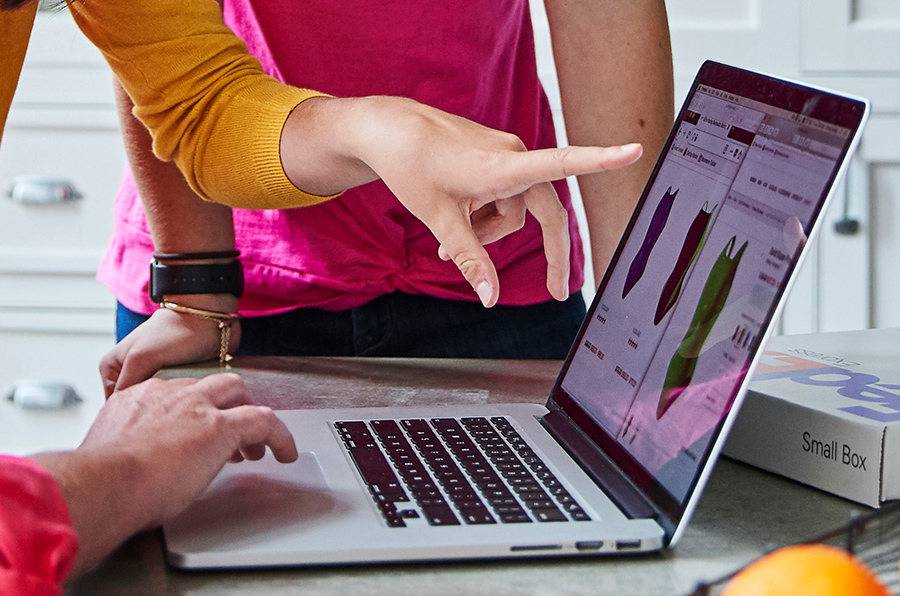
x=205, y=278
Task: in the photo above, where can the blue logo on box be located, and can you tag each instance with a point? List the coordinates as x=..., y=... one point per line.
x=851, y=384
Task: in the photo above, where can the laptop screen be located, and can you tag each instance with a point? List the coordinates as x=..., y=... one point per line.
x=681, y=313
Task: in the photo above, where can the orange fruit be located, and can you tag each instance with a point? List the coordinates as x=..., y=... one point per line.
x=806, y=570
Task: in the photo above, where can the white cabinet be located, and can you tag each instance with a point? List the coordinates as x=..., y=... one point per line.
x=56, y=320
x=847, y=45
x=854, y=36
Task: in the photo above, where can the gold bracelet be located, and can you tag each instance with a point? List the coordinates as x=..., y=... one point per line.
x=222, y=319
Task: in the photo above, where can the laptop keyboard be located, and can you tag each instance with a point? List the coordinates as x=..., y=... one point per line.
x=455, y=471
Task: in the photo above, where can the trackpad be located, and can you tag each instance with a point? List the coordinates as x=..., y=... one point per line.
x=252, y=499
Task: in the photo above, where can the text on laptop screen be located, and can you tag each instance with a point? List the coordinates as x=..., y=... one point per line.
x=679, y=316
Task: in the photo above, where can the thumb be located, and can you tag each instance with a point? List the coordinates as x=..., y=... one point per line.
x=111, y=366
x=136, y=368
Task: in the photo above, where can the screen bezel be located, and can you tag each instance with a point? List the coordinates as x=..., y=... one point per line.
x=815, y=103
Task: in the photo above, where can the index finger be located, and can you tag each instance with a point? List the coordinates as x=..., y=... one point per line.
x=527, y=168
x=224, y=390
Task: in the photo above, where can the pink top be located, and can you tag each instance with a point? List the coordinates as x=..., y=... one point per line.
x=474, y=58
x=37, y=541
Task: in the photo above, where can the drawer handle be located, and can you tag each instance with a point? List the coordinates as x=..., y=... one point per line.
x=42, y=395
x=35, y=190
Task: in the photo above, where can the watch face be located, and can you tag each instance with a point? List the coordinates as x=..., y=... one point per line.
x=205, y=278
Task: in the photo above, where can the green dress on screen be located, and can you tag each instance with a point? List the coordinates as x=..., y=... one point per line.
x=712, y=300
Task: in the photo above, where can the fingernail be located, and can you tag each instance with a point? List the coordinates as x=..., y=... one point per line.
x=630, y=146
x=484, y=292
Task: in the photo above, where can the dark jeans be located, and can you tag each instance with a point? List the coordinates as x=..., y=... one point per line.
x=405, y=325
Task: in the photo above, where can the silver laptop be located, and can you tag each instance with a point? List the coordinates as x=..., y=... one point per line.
x=616, y=460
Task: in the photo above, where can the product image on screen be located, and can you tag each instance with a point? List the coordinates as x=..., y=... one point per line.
x=677, y=319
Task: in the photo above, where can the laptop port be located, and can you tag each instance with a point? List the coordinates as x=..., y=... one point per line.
x=628, y=544
x=526, y=547
x=589, y=545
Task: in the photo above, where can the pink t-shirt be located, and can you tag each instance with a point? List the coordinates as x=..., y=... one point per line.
x=474, y=58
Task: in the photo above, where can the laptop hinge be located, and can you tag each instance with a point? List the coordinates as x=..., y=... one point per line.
x=600, y=468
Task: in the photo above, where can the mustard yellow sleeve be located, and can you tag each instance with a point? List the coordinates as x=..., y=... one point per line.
x=205, y=100
x=15, y=30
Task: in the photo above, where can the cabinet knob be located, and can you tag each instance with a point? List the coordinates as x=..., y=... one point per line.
x=847, y=226
x=37, y=190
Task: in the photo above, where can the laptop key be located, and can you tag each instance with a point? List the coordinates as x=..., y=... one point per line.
x=391, y=497
x=580, y=515
x=431, y=501
x=373, y=466
x=542, y=504
x=440, y=515
x=549, y=515
x=478, y=515
x=519, y=517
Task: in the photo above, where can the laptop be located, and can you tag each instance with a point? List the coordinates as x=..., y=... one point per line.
x=616, y=460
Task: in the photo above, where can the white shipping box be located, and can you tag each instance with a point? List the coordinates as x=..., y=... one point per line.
x=824, y=409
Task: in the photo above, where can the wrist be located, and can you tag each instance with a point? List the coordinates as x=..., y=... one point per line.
x=223, y=303
x=224, y=321
x=319, y=145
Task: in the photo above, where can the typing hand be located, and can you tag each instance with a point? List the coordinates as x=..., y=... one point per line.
x=153, y=448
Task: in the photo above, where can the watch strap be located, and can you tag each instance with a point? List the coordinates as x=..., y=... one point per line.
x=200, y=278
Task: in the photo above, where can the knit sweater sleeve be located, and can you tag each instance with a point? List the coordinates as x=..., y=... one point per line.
x=37, y=542
x=15, y=29
x=205, y=100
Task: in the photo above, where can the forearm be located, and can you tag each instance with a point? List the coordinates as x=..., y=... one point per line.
x=179, y=220
x=316, y=147
x=99, y=492
x=614, y=65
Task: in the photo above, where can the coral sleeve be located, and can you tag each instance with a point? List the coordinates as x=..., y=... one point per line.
x=37, y=541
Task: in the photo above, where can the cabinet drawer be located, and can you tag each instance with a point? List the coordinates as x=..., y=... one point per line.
x=69, y=358
x=90, y=160
x=27, y=292
x=62, y=126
